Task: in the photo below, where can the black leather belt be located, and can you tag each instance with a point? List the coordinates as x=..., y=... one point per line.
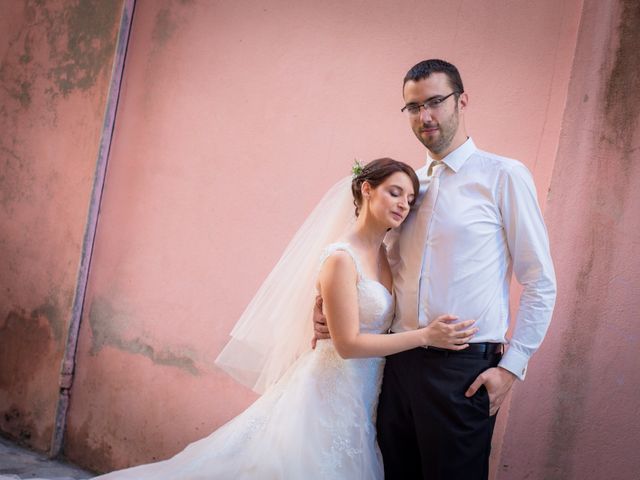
x=477, y=348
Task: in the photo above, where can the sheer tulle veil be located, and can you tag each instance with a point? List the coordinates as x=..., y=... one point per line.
x=276, y=327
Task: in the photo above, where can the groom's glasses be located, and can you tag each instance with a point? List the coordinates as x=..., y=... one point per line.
x=413, y=109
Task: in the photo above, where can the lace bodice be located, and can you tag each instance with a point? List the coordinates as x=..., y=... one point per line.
x=375, y=302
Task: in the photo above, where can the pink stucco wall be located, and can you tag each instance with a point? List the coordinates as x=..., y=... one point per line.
x=578, y=414
x=234, y=118
x=55, y=65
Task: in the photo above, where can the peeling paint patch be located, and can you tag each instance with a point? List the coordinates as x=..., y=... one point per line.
x=107, y=324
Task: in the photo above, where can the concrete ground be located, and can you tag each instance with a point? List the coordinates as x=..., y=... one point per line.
x=20, y=463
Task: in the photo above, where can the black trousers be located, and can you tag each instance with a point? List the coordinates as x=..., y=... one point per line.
x=427, y=428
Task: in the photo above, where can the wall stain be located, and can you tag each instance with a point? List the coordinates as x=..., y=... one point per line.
x=171, y=16
x=611, y=162
x=50, y=310
x=166, y=22
x=164, y=27
x=21, y=336
x=17, y=424
x=573, y=388
x=16, y=177
x=26, y=351
x=107, y=323
x=19, y=87
x=89, y=47
x=27, y=55
x=56, y=51
x=75, y=45
x=622, y=104
x=85, y=450
x=621, y=111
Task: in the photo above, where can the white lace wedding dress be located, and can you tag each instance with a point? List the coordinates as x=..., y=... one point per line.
x=317, y=422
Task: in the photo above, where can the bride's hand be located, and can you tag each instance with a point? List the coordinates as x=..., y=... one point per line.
x=444, y=333
x=320, y=328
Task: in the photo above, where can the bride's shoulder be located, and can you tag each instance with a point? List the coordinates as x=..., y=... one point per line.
x=341, y=255
x=338, y=267
x=337, y=246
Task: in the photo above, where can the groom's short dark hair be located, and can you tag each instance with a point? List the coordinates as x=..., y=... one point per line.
x=427, y=67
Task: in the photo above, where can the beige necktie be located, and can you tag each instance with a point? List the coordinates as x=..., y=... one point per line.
x=412, y=251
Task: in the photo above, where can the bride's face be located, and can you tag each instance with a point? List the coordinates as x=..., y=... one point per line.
x=390, y=201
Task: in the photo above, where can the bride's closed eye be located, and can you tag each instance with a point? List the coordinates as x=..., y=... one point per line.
x=397, y=192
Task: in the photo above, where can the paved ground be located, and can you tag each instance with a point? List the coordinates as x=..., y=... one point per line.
x=19, y=463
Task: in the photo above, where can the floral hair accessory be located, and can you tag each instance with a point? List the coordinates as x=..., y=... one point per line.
x=356, y=169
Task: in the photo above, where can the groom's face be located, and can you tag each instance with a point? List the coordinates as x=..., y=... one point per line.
x=436, y=127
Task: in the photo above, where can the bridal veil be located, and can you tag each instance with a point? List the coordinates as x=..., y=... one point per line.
x=276, y=327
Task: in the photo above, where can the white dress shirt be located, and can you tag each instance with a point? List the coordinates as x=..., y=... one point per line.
x=486, y=224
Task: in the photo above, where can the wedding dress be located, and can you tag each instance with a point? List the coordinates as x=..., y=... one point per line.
x=316, y=422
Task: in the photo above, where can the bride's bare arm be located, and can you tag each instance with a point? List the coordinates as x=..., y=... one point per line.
x=338, y=286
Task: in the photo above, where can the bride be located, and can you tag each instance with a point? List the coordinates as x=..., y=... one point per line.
x=315, y=418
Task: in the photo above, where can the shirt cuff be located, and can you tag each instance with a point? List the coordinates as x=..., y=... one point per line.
x=515, y=361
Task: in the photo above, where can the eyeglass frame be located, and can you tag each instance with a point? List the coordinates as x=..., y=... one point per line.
x=432, y=103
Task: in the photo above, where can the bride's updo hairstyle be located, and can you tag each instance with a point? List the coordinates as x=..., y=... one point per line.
x=376, y=172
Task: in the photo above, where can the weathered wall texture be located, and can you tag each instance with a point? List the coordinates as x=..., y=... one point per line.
x=578, y=414
x=55, y=67
x=234, y=118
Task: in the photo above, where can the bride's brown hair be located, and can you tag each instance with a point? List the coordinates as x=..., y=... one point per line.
x=375, y=172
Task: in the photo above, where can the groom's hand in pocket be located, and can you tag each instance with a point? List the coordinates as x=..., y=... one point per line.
x=320, y=328
x=498, y=382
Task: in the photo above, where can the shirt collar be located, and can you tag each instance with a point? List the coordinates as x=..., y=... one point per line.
x=458, y=157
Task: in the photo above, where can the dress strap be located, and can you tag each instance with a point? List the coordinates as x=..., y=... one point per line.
x=345, y=247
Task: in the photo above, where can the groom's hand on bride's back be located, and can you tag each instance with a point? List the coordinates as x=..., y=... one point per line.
x=320, y=328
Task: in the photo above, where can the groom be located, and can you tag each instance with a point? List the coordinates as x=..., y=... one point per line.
x=477, y=220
